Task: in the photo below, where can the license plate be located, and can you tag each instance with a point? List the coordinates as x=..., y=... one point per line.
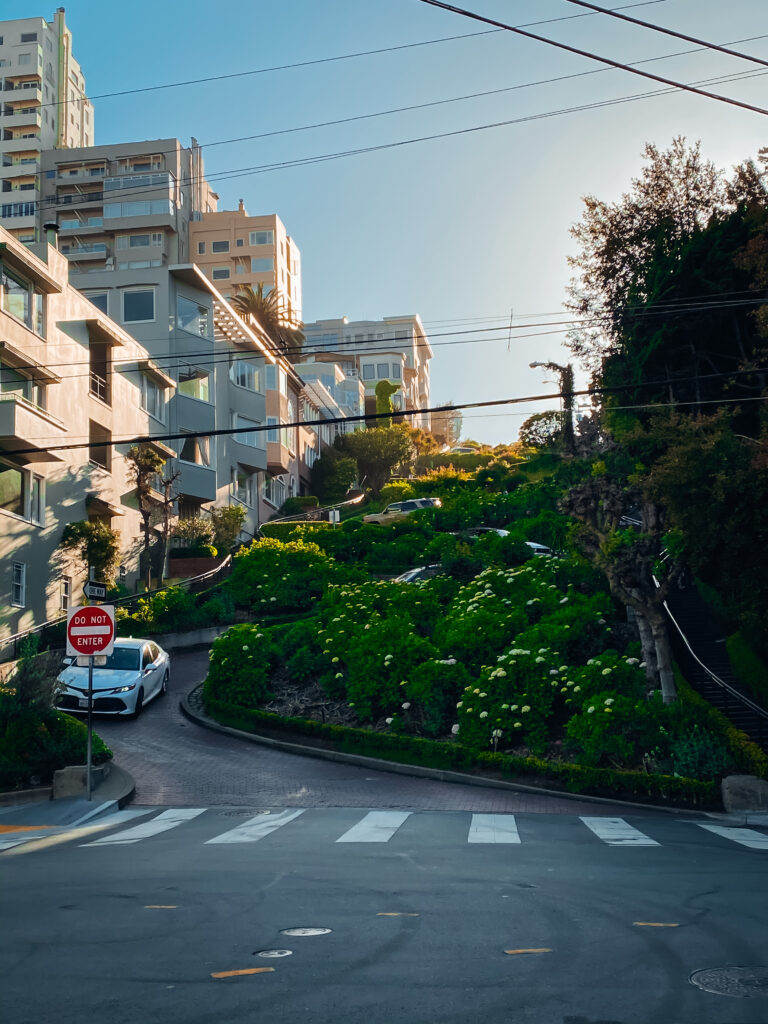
x=82, y=702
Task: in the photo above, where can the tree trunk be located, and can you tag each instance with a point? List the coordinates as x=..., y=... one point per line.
x=648, y=646
x=658, y=625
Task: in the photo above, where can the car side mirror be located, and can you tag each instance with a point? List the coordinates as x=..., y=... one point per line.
x=148, y=669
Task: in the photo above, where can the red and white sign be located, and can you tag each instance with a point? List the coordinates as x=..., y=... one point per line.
x=91, y=630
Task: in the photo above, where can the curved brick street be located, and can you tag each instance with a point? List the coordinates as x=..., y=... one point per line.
x=176, y=762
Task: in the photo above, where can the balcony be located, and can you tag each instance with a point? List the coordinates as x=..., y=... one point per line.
x=75, y=175
x=10, y=118
x=20, y=144
x=20, y=170
x=22, y=424
x=248, y=456
x=69, y=228
x=196, y=482
x=80, y=199
x=278, y=458
x=34, y=94
x=91, y=251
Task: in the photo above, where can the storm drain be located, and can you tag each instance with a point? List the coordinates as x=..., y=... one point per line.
x=741, y=982
x=306, y=931
x=273, y=954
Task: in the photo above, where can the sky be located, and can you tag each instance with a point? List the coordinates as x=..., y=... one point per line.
x=467, y=231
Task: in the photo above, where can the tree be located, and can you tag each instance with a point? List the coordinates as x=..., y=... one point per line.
x=446, y=426
x=283, y=330
x=145, y=466
x=377, y=452
x=332, y=475
x=227, y=523
x=97, y=546
x=542, y=430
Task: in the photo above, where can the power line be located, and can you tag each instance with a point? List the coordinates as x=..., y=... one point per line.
x=593, y=56
x=396, y=414
x=329, y=60
x=669, y=32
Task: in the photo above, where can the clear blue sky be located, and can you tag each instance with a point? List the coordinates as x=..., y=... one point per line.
x=459, y=228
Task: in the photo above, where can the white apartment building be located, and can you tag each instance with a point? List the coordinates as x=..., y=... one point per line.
x=68, y=376
x=43, y=106
x=395, y=349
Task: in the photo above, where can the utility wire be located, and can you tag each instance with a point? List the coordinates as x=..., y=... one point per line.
x=329, y=60
x=396, y=414
x=669, y=32
x=593, y=56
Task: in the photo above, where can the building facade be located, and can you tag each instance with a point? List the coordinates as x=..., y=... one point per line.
x=43, y=106
x=68, y=376
x=234, y=250
x=395, y=349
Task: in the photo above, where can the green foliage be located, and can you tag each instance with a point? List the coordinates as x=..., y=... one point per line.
x=96, y=545
x=384, y=391
x=697, y=754
x=295, y=506
x=332, y=475
x=396, y=490
x=227, y=522
x=218, y=609
x=432, y=690
x=241, y=662
x=377, y=452
x=168, y=610
x=195, y=531
x=750, y=670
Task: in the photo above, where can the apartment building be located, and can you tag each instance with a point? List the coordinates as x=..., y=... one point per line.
x=395, y=349
x=347, y=392
x=69, y=375
x=235, y=250
x=43, y=106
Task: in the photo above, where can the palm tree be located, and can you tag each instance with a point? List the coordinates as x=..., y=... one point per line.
x=284, y=332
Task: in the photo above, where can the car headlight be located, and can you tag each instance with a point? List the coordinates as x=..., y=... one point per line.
x=125, y=689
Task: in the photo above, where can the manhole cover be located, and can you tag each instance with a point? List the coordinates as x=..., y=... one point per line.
x=306, y=931
x=741, y=982
x=242, y=814
x=270, y=954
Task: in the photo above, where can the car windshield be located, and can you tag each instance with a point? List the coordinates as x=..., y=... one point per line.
x=122, y=659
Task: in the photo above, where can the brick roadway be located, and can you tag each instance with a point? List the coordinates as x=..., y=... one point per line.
x=178, y=763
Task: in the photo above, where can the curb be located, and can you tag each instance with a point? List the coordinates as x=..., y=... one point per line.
x=437, y=774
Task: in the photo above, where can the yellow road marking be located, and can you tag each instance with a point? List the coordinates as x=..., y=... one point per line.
x=24, y=828
x=64, y=837
x=514, y=952
x=395, y=914
x=655, y=924
x=160, y=906
x=235, y=974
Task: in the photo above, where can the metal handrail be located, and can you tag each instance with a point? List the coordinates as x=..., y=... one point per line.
x=200, y=578
x=761, y=712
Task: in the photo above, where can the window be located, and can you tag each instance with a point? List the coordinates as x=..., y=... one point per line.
x=382, y=370
x=20, y=300
x=273, y=435
x=220, y=246
x=274, y=491
x=37, y=500
x=99, y=299
x=194, y=383
x=220, y=273
x=152, y=398
x=369, y=371
x=25, y=58
x=139, y=241
x=197, y=450
x=19, y=584
x=13, y=490
x=201, y=248
x=14, y=382
x=261, y=238
x=137, y=264
x=245, y=374
x=240, y=243
x=396, y=371
x=243, y=486
x=260, y=264
x=192, y=317
x=65, y=593
x=138, y=305
x=138, y=208
x=252, y=437
x=239, y=268
x=99, y=448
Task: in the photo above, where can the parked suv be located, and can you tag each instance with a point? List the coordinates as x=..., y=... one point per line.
x=400, y=509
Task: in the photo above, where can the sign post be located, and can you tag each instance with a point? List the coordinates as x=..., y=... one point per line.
x=90, y=633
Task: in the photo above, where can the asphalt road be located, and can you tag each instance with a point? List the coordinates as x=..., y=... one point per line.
x=178, y=763
x=426, y=927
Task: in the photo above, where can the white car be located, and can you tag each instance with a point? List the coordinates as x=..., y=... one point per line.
x=136, y=672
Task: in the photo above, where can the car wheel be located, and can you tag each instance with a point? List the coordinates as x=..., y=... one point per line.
x=139, y=703
x=164, y=685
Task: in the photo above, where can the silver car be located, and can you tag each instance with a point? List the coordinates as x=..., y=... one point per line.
x=136, y=672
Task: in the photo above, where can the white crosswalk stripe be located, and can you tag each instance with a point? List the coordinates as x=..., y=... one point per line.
x=617, y=832
x=493, y=828
x=18, y=839
x=375, y=827
x=160, y=823
x=743, y=836
x=256, y=828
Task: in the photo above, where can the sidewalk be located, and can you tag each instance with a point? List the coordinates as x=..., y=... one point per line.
x=113, y=793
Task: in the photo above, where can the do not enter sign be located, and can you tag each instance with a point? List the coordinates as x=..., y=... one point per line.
x=91, y=630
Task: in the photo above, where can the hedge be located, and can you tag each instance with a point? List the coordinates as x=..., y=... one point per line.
x=453, y=757
x=284, y=531
x=750, y=670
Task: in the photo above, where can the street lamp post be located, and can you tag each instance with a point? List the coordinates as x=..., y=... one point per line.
x=566, y=391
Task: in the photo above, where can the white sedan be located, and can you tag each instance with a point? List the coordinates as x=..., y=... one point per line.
x=135, y=673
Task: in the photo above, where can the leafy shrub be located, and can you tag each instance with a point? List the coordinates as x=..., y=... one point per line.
x=241, y=662
x=34, y=744
x=227, y=523
x=396, y=490
x=295, y=506
x=274, y=576
x=698, y=754
x=217, y=609
x=168, y=610
x=433, y=689
x=750, y=670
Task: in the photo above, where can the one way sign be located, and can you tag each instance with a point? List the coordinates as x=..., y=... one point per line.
x=95, y=591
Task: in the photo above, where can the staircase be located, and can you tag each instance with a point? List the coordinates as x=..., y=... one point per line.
x=701, y=651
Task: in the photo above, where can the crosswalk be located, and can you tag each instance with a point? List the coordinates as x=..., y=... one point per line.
x=315, y=827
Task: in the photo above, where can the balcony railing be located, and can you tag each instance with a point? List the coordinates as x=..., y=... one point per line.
x=78, y=250
x=99, y=387
x=73, y=198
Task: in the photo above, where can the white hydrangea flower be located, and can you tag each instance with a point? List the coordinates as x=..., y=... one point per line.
x=606, y=672
x=454, y=730
x=590, y=709
x=483, y=714
x=406, y=705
